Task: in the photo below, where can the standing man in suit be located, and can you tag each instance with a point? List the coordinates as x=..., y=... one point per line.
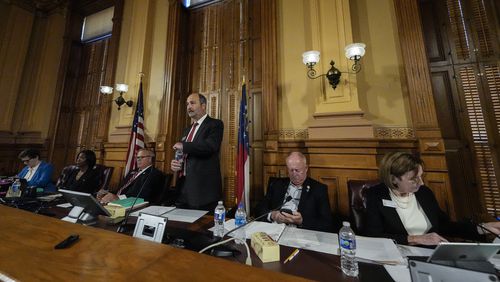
x=199, y=183
x=309, y=198
x=146, y=177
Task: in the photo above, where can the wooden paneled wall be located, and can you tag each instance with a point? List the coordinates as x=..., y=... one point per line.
x=224, y=47
x=10, y=164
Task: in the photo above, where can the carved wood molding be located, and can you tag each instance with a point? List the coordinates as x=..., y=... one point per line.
x=394, y=132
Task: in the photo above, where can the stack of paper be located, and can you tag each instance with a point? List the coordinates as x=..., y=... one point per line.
x=380, y=250
x=274, y=230
x=173, y=213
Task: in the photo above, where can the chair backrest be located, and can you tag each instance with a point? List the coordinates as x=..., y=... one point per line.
x=105, y=176
x=357, y=201
x=167, y=195
x=63, y=177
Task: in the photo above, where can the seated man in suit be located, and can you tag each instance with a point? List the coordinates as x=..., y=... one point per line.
x=309, y=198
x=38, y=173
x=145, y=180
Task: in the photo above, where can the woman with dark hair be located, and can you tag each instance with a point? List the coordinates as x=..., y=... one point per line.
x=402, y=208
x=37, y=172
x=82, y=177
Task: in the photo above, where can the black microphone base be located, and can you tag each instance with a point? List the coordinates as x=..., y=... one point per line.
x=224, y=251
x=126, y=228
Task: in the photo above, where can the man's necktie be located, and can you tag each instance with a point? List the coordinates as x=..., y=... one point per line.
x=189, y=139
x=130, y=180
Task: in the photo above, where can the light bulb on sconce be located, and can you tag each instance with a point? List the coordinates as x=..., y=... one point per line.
x=120, y=87
x=353, y=52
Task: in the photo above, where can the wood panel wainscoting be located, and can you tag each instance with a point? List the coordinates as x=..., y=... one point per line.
x=334, y=162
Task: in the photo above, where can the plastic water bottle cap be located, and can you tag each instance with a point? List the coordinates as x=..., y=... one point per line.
x=220, y=203
x=346, y=223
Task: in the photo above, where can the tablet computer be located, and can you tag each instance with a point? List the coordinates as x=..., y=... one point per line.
x=464, y=252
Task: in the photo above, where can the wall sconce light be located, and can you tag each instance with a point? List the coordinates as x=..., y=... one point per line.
x=353, y=52
x=120, y=87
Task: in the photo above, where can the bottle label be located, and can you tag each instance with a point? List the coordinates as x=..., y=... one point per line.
x=178, y=155
x=239, y=221
x=348, y=244
x=220, y=216
x=15, y=187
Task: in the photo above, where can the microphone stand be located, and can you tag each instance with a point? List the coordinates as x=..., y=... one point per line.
x=259, y=217
x=122, y=228
x=487, y=230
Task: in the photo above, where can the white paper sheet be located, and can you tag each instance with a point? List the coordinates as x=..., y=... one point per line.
x=381, y=250
x=407, y=251
x=310, y=240
x=184, y=215
x=274, y=230
x=155, y=210
x=65, y=205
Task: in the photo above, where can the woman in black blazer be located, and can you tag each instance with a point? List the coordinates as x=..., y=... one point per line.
x=403, y=209
x=82, y=177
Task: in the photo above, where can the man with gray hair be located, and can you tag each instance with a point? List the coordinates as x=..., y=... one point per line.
x=308, y=206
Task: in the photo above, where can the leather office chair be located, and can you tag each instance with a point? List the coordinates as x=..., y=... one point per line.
x=105, y=176
x=105, y=173
x=357, y=203
x=167, y=195
x=67, y=170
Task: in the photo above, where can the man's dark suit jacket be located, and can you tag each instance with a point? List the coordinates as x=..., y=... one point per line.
x=153, y=181
x=313, y=205
x=382, y=221
x=202, y=185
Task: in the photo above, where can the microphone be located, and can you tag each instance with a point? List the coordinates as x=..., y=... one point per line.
x=288, y=199
x=485, y=230
x=122, y=228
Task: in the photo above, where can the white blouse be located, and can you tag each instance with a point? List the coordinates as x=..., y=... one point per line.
x=411, y=214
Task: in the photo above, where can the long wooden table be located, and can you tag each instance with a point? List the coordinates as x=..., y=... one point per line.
x=27, y=253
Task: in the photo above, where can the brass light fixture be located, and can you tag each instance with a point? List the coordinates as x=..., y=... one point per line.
x=353, y=52
x=120, y=87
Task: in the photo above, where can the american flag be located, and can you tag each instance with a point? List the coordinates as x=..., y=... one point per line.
x=243, y=159
x=137, y=135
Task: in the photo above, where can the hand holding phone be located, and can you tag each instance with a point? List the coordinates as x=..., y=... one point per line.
x=288, y=211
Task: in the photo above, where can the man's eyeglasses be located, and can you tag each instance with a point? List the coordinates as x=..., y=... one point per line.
x=142, y=157
x=26, y=160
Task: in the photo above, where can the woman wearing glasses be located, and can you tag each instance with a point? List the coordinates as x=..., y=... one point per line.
x=38, y=173
x=403, y=209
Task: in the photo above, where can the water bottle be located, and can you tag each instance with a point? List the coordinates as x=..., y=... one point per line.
x=240, y=218
x=347, y=242
x=219, y=217
x=16, y=186
x=15, y=189
x=179, y=155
